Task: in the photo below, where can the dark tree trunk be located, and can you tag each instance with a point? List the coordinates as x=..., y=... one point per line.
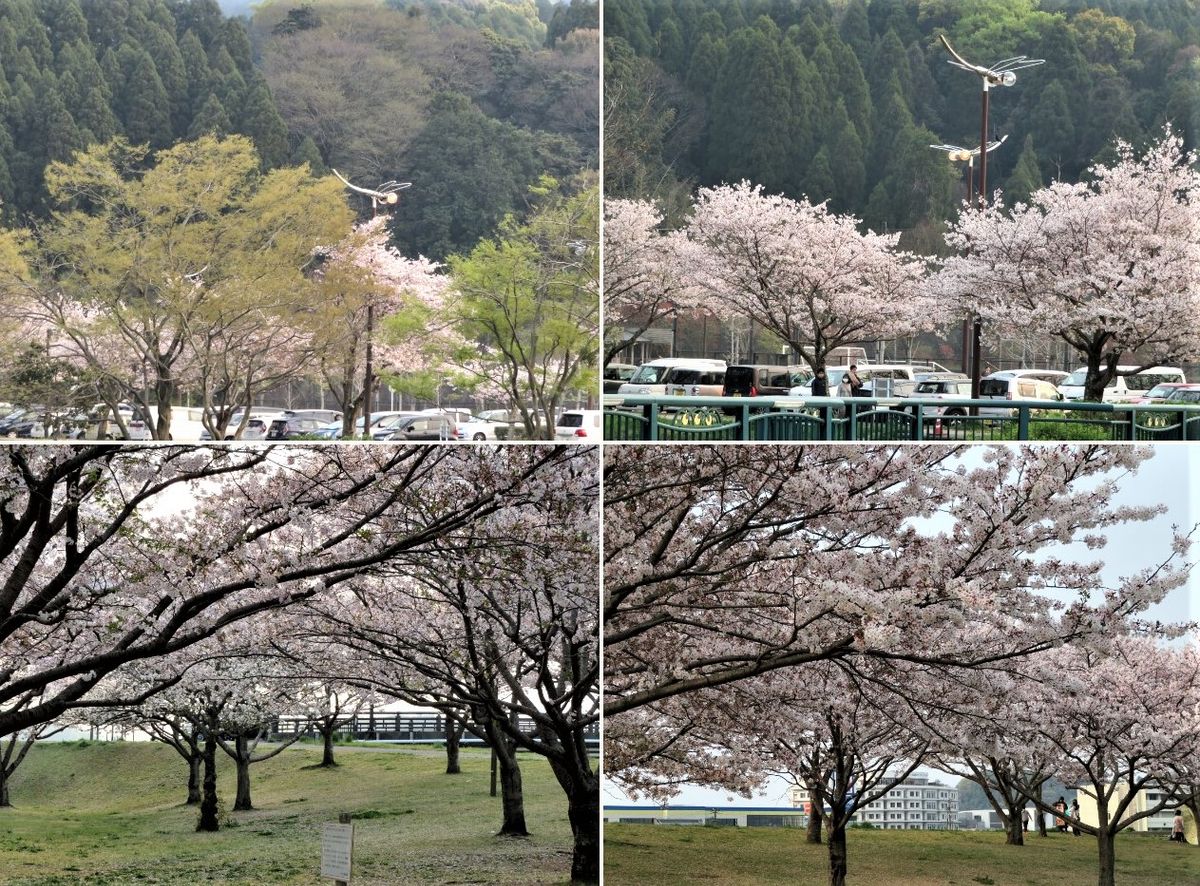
x=5, y=799
x=194, y=777
x=327, y=730
x=584, y=814
x=454, y=733
x=1108, y=858
x=837, y=854
x=1014, y=835
x=512, y=796
x=242, y=801
x=813, y=833
x=209, y=819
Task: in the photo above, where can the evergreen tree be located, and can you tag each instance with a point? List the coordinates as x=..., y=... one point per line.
x=849, y=172
x=307, y=152
x=211, y=119
x=260, y=120
x=750, y=126
x=855, y=31
x=852, y=88
x=1051, y=127
x=195, y=65
x=705, y=64
x=237, y=43
x=1026, y=178
x=889, y=61
x=144, y=104
x=819, y=184
x=671, y=49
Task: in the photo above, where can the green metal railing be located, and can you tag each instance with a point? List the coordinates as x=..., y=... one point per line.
x=713, y=419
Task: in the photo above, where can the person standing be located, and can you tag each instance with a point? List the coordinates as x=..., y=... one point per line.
x=1025, y=819
x=856, y=384
x=1060, y=811
x=820, y=384
x=1075, y=816
x=1177, y=827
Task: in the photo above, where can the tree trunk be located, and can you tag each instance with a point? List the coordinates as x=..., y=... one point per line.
x=326, y=730
x=5, y=799
x=837, y=854
x=454, y=732
x=584, y=813
x=813, y=833
x=1014, y=835
x=1108, y=858
x=194, y=777
x=209, y=820
x=242, y=801
x=512, y=797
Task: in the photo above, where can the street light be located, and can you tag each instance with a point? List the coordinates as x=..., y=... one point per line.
x=958, y=154
x=1002, y=73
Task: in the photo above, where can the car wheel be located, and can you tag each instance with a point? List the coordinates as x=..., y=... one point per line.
x=954, y=410
x=479, y=437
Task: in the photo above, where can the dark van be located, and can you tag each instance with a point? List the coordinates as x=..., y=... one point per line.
x=758, y=380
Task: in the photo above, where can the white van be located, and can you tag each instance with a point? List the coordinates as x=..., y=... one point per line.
x=679, y=375
x=1019, y=384
x=879, y=379
x=1122, y=388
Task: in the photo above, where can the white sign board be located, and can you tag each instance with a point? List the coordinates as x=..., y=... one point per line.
x=337, y=846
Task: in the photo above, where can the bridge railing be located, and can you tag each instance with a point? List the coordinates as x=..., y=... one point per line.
x=762, y=419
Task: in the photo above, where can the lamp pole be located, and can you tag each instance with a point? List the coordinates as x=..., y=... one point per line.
x=1003, y=73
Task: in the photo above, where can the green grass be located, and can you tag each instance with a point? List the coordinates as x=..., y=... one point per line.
x=639, y=854
x=112, y=814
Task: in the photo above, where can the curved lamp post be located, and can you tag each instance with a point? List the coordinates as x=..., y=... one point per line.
x=958, y=154
x=387, y=195
x=1003, y=73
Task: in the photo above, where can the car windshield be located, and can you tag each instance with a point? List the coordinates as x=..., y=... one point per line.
x=572, y=420
x=1078, y=377
x=1184, y=395
x=930, y=387
x=649, y=375
x=1143, y=381
x=1161, y=390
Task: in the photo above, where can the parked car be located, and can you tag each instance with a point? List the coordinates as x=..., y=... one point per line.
x=763, y=380
x=478, y=429
x=616, y=374
x=99, y=424
x=943, y=389
x=879, y=379
x=423, y=428
x=1160, y=392
x=1007, y=385
x=1183, y=394
x=706, y=377
x=386, y=426
x=580, y=425
x=300, y=422
x=1123, y=388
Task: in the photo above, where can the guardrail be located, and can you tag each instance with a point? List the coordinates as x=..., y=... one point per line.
x=398, y=727
x=764, y=419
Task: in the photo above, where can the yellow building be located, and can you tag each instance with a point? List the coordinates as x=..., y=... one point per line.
x=1147, y=798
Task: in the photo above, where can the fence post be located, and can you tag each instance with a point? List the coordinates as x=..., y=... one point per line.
x=1022, y=422
x=653, y=421
x=744, y=424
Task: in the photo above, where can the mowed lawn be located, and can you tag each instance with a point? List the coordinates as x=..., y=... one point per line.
x=643, y=854
x=112, y=814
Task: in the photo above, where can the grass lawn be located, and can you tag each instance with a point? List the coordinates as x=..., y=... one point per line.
x=643, y=854
x=112, y=814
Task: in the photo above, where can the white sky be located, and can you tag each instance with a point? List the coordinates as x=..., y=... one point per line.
x=1171, y=477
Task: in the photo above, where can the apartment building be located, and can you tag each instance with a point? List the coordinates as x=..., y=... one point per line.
x=915, y=804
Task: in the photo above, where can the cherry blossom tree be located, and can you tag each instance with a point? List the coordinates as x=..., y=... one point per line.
x=364, y=281
x=110, y=556
x=804, y=273
x=645, y=270
x=1113, y=717
x=1110, y=266
x=821, y=727
x=722, y=563
x=503, y=622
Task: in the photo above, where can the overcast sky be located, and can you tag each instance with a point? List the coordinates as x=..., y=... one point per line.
x=1171, y=477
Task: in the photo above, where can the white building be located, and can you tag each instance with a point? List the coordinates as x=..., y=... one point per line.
x=915, y=804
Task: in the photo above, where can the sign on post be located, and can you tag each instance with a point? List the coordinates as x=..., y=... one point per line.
x=337, y=849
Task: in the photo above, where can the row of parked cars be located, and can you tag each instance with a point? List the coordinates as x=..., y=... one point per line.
x=930, y=381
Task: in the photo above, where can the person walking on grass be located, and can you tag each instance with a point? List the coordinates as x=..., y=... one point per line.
x=1060, y=811
x=1177, y=828
x=1075, y=816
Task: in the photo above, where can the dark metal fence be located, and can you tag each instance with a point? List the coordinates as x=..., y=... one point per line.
x=763, y=419
x=405, y=727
